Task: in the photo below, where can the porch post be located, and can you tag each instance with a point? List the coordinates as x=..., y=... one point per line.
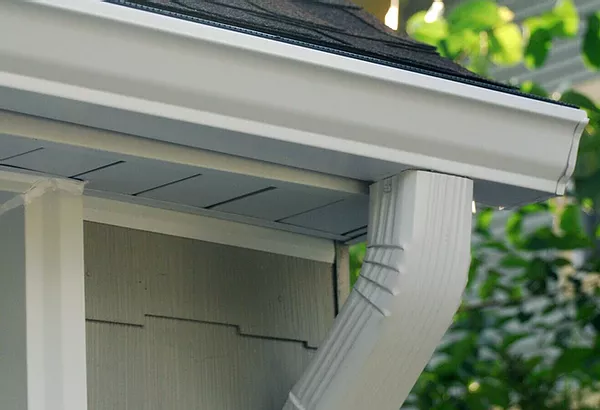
x=42, y=318
x=410, y=285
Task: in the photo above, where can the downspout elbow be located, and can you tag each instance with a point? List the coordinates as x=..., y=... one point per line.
x=409, y=288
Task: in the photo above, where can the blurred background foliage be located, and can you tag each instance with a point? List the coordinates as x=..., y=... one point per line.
x=528, y=333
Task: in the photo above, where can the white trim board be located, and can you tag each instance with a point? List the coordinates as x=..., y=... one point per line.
x=43, y=129
x=134, y=216
x=175, y=223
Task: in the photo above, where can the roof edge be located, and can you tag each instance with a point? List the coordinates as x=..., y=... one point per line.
x=375, y=59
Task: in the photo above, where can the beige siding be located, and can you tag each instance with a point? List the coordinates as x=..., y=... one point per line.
x=175, y=323
x=115, y=366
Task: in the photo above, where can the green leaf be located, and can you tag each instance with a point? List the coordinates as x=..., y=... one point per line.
x=514, y=225
x=563, y=336
x=513, y=261
x=570, y=219
x=484, y=219
x=515, y=293
x=497, y=394
x=427, y=32
x=560, y=262
x=497, y=245
x=476, y=15
x=545, y=239
x=595, y=321
x=538, y=47
x=591, y=42
x=524, y=316
x=572, y=359
x=561, y=21
x=567, y=19
x=490, y=285
x=506, y=45
x=586, y=309
x=473, y=270
x=357, y=254
x=575, y=98
x=465, y=41
x=512, y=338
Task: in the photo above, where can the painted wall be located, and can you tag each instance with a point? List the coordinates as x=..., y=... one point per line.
x=175, y=323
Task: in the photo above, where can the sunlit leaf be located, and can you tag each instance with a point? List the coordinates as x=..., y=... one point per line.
x=357, y=254
x=465, y=41
x=474, y=15
x=428, y=32
x=484, y=219
x=567, y=19
x=506, y=44
x=562, y=21
x=506, y=14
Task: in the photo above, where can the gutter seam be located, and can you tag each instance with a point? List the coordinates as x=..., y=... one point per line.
x=572, y=157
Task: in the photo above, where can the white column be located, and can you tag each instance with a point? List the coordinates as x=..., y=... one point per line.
x=42, y=317
x=410, y=286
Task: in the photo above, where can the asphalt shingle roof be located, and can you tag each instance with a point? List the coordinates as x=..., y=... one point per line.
x=336, y=26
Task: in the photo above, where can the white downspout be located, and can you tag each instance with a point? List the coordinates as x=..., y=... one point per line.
x=409, y=288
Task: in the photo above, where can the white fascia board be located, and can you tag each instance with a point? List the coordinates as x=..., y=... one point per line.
x=140, y=62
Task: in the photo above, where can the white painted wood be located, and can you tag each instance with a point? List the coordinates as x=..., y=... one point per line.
x=6, y=196
x=342, y=274
x=136, y=175
x=340, y=217
x=42, y=346
x=410, y=287
x=11, y=146
x=56, y=132
x=208, y=229
x=18, y=182
x=262, y=90
x=281, y=203
x=210, y=188
x=64, y=162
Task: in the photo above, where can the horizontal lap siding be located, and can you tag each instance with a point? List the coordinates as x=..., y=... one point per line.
x=175, y=323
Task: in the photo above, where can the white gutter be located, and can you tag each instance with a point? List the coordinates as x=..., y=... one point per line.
x=409, y=288
x=300, y=107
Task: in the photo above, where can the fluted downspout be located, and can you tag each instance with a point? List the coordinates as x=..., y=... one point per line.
x=409, y=288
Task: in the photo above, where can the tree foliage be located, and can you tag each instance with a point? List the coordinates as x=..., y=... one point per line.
x=528, y=333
